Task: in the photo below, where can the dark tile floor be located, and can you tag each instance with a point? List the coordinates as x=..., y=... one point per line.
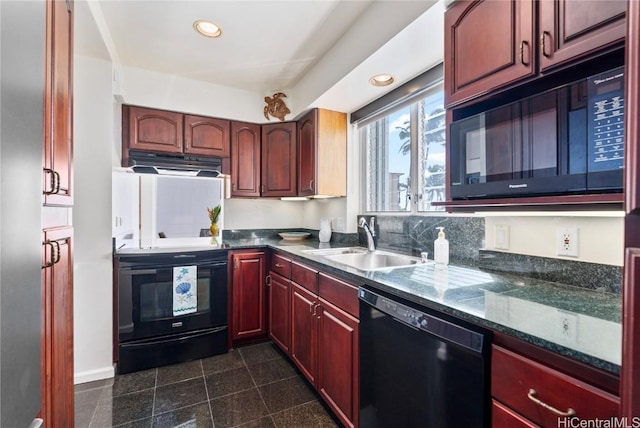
x=253, y=386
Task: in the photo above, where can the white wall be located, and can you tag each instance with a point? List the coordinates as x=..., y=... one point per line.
x=163, y=91
x=600, y=238
x=93, y=136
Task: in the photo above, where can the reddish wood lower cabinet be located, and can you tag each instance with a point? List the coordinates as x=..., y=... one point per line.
x=540, y=395
x=248, y=295
x=304, y=330
x=279, y=290
x=57, y=328
x=324, y=338
x=338, y=379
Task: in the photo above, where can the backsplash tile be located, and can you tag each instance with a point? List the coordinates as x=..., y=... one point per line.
x=593, y=276
x=414, y=234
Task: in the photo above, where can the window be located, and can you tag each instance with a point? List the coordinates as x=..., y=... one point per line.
x=404, y=151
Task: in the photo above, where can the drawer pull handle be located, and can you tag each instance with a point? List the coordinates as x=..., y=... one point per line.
x=532, y=396
x=278, y=265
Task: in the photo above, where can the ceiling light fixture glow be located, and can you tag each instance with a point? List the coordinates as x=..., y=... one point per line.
x=382, y=80
x=207, y=28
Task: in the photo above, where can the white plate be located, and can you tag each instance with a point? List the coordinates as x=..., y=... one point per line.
x=294, y=236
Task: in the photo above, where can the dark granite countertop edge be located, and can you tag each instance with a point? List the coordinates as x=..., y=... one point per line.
x=293, y=248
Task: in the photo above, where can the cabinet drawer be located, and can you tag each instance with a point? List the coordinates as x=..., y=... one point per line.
x=305, y=277
x=504, y=417
x=340, y=293
x=281, y=265
x=526, y=387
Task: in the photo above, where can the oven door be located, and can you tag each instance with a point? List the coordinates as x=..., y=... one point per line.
x=146, y=298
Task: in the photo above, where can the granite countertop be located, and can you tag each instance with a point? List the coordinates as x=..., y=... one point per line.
x=582, y=324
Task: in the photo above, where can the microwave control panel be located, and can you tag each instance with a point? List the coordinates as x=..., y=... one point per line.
x=606, y=121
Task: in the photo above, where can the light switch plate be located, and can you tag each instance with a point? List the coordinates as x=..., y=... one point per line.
x=501, y=233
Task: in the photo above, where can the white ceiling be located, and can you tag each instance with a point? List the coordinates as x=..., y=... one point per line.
x=331, y=47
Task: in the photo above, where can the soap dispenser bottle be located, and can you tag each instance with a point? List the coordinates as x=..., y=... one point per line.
x=441, y=249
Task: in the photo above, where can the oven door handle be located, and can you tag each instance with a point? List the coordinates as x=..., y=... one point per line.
x=131, y=272
x=177, y=339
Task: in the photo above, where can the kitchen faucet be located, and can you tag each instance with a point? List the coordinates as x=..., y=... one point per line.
x=370, y=232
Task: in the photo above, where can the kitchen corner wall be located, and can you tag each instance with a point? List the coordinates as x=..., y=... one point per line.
x=92, y=284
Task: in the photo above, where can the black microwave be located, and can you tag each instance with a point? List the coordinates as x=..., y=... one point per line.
x=567, y=140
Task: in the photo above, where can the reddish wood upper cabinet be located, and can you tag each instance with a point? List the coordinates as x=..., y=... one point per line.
x=540, y=395
x=322, y=153
x=493, y=44
x=630, y=376
x=572, y=29
x=245, y=159
x=161, y=131
x=57, y=327
x=278, y=165
x=488, y=44
x=152, y=130
x=206, y=136
x=248, y=297
x=58, y=106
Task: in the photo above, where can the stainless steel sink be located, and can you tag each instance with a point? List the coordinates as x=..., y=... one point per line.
x=335, y=251
x=376, y=260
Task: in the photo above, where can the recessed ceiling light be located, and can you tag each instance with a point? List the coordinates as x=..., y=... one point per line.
x=207, y=28
x=382, y=80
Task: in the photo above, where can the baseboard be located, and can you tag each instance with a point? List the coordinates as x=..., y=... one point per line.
x=91, y=375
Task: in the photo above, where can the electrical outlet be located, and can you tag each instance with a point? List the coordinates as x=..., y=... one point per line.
x=567, y=326
x=567, y=241
x=501, y=233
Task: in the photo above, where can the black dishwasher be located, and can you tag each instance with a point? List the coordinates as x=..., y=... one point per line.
x=418, y=369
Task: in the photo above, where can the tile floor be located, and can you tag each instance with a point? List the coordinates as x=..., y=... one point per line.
x=253, y=386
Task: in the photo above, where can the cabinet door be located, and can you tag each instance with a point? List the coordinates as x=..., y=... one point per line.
x=58, y=106
x=57, y=328
x=152, y=130
x=279, y=289
x=304, y=331
x=338, y=362
x=248, y=295
x=307, y=154
x=245, y=159
x=206, y=136
x=571, y=29
x=488, y=45
x=279, y=148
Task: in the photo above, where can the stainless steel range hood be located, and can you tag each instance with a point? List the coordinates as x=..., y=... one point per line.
x=174, y=164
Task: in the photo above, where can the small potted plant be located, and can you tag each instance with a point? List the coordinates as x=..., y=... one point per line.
x=214, y=213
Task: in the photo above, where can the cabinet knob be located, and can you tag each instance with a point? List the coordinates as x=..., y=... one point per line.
x=268, y=280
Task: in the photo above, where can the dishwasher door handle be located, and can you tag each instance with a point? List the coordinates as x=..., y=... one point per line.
x=405, y=324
